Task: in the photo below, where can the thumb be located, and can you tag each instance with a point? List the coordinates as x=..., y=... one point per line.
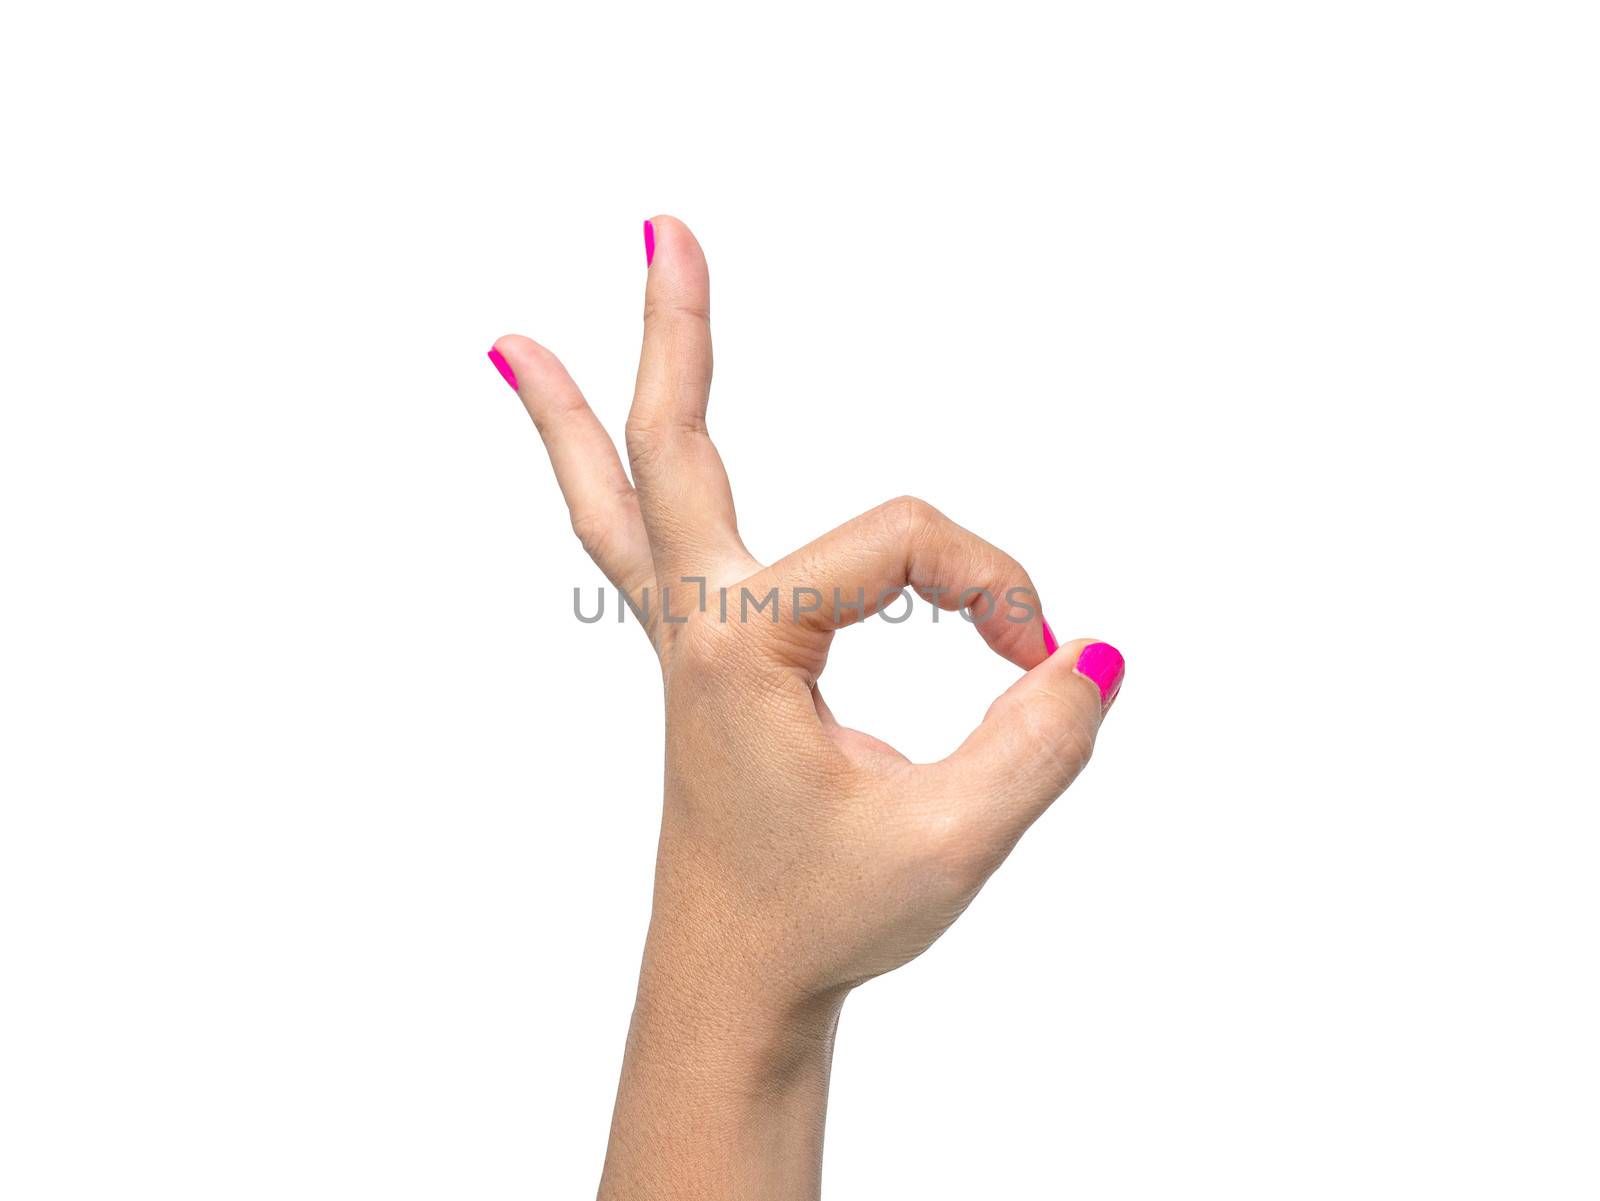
x=1035, y=739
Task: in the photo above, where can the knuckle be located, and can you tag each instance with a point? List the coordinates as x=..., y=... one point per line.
x=645, y=445
x=651, y=441
x=706, y=644
x=654, y=428
x=908, y=508
x=907, y=515
x=1052, y=725
x=594, y=533
x=665, y=309
x=639, y=432
x=551, y=411
x=957, y=848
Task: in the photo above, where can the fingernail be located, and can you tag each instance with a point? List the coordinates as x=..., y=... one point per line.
x=1050, y=643
x=1102, y=663
x=503, y=367
x=649, y=243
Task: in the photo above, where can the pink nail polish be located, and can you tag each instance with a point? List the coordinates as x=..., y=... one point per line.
x=1050, y=643
x=649, y=243
x=503, y=367
x=1102, y=663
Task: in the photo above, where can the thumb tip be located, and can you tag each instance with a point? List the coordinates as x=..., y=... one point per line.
x=1103, y=666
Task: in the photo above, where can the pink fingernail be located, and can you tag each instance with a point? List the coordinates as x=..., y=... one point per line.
x=1050, y=643
x=1102, y=663
x=503, y=367
x=649, y=243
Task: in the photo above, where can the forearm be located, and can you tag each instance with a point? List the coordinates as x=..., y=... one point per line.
x=723, y=1093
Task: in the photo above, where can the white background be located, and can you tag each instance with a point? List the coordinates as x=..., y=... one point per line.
x=1264, y=334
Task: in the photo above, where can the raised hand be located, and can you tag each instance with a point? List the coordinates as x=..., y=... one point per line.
x=798, y=858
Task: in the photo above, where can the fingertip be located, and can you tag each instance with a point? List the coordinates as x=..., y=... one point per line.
x=1102, y=665
x=1016, y=629
x=527, y=360
x=519, y=360
x=514, y=346
x=503, y=367
x=537, y=376
x=1093, y=664
x=670, y=240
x=665, y=223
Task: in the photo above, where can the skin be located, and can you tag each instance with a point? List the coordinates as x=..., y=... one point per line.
x=797, y=858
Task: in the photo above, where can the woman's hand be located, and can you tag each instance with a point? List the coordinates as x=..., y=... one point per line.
x=797, y=858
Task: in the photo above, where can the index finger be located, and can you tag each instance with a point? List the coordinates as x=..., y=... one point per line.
x=862, y=567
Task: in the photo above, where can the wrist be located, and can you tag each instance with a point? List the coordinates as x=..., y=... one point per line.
x=732, y=1028
x=724, y=1085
